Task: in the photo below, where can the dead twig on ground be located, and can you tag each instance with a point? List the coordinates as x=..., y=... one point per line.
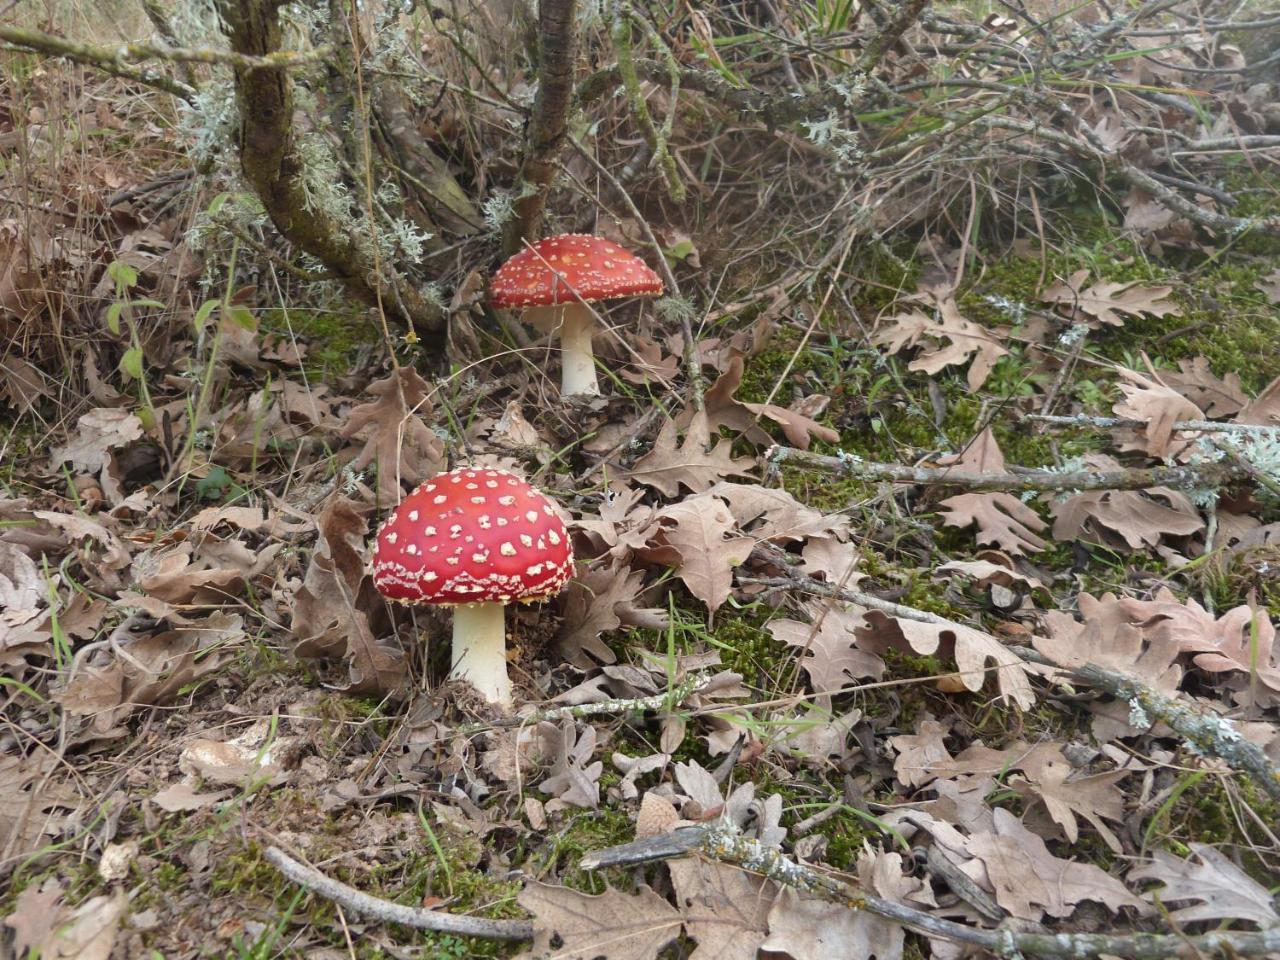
x=349, y=898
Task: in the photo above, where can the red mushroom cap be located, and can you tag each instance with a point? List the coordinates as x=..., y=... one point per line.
x=570, y=268
x=473, y=535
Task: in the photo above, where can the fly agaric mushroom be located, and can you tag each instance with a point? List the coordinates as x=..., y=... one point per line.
x=476, y=539
x=554, y=279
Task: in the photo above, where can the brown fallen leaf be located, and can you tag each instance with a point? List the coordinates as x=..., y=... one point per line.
x=1265, y=409
x=1002, y=519
x=1160, y=407
x=725, y=909
x=333, y=607
x=1215, y=888
x=33, y=803
x=971, y=649
x=943, y=340
x=1139, y=518
x=1030, y=882
x=397, y=438
x=573, y=779
x=919, y=753
x=569, y=925
x=1216, y=397
x=771, y=513
x=700, y=529
x=596, y=602
x=670, y=464
x=1105, y=301
x=828, y=648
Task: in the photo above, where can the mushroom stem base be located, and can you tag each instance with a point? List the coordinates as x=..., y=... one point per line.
x=480, y=650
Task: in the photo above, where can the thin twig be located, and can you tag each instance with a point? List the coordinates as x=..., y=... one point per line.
x=1203, y=426
x=387, y=912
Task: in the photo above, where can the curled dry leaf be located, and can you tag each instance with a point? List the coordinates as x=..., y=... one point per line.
x=723, y=410
x=396, y=436
x=1138, y=518
x=971, y=649
x=334, y=606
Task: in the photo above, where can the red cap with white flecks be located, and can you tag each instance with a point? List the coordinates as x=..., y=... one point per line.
x=569, y=268
x=473, y=535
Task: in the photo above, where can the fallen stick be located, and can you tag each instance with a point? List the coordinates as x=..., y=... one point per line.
x=376, y=908
x=725, y=842
x=1135, y=478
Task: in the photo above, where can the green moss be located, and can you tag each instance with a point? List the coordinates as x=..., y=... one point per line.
x=557, y=856
x=332, y=337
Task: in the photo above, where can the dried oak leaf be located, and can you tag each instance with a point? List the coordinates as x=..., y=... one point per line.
x=970, y=648
x=777, y=514
x=1159, y=407
x=53, y=931
x=919, y=753
x=396, y=435
x=598, y=600
x=725, y=411
x=828, y=648
x=1050, y=778
x=573, y=779
x=569, y=925
x=150, y=669
x=944, y=340
x=700, y=529
x=1216, y=888
x=1140, y=518
x=671, y=464
x=1216, y=397
x=1105, y=301
x=725, y=909
x=32, y=803
x=1265, y=409
x=98, y=432
x=1030, y=882
x=1002, y=519
x=332, y=608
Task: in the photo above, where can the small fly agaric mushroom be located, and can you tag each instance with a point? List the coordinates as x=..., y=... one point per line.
x=554, y=279
x=477, y=539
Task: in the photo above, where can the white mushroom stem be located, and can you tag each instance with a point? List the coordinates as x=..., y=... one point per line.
x=480, y=650
x=576, y=323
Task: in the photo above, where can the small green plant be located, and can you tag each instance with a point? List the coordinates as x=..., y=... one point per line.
x=133, y=363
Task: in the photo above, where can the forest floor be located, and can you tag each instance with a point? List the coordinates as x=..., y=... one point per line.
x=872, y=669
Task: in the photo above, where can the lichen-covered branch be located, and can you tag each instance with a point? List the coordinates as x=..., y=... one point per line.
x=544, y=137
x=635, y=99
x=726, y=843
x=1135, y=478
x=884, y=41
x=275, y=171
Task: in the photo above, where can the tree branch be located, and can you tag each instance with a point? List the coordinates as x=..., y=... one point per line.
x=544, y=137
x=272, y=166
